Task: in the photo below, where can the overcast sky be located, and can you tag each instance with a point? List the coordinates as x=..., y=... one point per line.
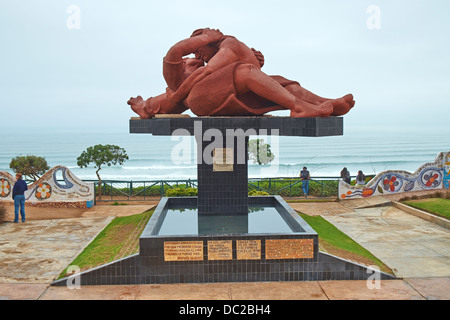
x=61, y=68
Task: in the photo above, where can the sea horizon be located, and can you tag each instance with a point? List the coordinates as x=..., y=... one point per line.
x=372, y=149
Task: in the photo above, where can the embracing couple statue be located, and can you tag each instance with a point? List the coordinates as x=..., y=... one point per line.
x=225, y=79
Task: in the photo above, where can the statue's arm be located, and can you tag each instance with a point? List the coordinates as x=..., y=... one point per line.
x=190, y=45
x=173, y=70
x=222, y=58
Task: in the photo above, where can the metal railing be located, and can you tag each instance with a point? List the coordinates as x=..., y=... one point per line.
x=138, y=190
x=321, y=187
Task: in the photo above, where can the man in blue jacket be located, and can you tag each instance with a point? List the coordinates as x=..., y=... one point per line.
x=19, y=197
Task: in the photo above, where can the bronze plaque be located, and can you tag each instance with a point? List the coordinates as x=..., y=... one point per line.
x=248, y=249
x=223, y=159
x=220, y=250
x=290, y=249
x=183, y=251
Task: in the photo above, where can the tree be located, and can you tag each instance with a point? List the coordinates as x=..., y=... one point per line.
x=102, y=155
x=30, y=166
x=260, y=152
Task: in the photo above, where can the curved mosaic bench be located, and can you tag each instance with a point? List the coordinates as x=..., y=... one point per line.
x=430, y=176
x=49, y=192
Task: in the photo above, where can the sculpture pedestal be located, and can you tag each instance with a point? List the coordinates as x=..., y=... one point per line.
x=222, y=147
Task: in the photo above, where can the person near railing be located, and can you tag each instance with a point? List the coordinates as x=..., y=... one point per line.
x=19, y=197
x=345, y=175
x=360, y=179
x=305, y=176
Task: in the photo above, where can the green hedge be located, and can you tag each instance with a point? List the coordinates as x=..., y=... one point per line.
x=182, y=192
x=293, y=188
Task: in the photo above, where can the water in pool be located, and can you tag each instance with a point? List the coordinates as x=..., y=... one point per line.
x=186, y=221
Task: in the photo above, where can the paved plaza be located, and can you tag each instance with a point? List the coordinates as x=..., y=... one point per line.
x=32, y=254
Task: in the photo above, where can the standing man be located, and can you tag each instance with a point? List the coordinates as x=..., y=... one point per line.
x=19, y=197
x=304, y=175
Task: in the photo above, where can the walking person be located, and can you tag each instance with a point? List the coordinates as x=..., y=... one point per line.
x=345, y=175
x=19, y=197
x=304, y=175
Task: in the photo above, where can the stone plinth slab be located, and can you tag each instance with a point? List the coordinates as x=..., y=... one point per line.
x=287, y=126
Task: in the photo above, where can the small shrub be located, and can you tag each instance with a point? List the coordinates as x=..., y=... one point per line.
x=182, y=192
x=191, y=192
x=257, y=193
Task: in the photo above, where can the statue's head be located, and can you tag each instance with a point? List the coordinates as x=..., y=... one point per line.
x=208, y=51
x=197, y=32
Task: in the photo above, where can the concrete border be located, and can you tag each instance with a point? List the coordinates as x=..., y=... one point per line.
x=423, y=215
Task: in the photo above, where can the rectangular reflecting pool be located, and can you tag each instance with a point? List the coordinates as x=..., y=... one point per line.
x=186, y=221
x=179, y=217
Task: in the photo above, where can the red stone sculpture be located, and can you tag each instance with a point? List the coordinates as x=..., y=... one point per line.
x=225, y=79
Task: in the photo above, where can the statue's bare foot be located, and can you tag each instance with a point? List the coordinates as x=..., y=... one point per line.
x=307, y=110
x=138, y=105
x=342, y=105
x=349, y=98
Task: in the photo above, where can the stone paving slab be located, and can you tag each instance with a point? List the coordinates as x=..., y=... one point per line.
x=278, y=291
x=326, y=208
x=208, y=291
x=431, y=288
x=37, y=251
x=211, y=291
x=410, y=289
x=358, y=290
x=365, y=202
x=22, y=291
x=410, y=246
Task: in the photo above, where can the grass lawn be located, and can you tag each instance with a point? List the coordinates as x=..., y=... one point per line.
x=437, y=206
x=335, y=242
x=118, y=240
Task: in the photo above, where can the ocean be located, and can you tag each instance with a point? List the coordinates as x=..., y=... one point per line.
x=370, y=149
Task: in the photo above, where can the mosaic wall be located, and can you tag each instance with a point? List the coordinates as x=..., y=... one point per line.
x=430, y=176
x=48, y=191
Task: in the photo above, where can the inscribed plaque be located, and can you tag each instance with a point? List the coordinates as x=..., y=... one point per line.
x=220, y=250
x=248, y=249
x=183, y=251
x=290, y=249
x=223, y=159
